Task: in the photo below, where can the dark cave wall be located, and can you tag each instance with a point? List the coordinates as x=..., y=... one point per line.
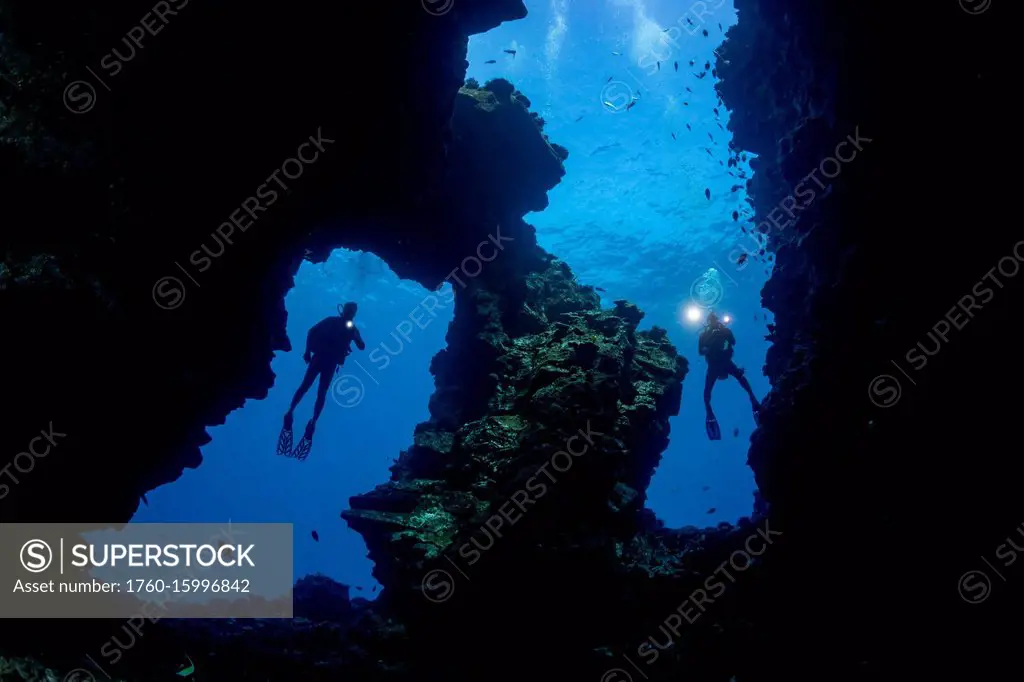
x=851, y=467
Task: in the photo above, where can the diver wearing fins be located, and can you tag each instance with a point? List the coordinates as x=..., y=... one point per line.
x=327, y=344
x=716, y=345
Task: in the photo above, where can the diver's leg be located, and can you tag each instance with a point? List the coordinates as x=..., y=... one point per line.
x=311, y=371
x=326, y=377
x=710, y=423
x=709, y=384
x=739, y=374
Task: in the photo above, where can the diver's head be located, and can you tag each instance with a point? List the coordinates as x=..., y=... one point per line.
x=713, y=320
x=348, y=311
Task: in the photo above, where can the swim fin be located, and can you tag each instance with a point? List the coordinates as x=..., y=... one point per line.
x=284, y=441
x=303, y=449
x=711, y=426
x=305, y=445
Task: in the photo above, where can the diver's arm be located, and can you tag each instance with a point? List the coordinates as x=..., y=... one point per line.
x=359, y=340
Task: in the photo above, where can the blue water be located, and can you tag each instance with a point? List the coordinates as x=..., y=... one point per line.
x=630, y=216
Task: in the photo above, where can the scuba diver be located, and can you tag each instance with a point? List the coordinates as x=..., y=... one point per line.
x=327, y=345
x=716, y=345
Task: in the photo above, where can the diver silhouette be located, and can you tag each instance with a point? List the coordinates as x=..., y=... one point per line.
x=716, y=345
x=327, y=345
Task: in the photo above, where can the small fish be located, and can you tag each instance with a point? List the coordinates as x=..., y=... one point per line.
x=659, y=65
x=144, y=500
x=707, y=193
x=617, y=54
x=689, y=21
x=676, y=64
x=708, y=151
x=631, y=105
x=742, y=259
x=707, y=65
x=705, y=32
x=689, y=90
x=705, y=488
x=609, y=79
x=491, y=61
x=735, y=188
x=719, y=125
x=359, y=588
x=692, y=61
x=578, y=120
x=735, y=215
x=686, y=104
x=736, y=432
x=716, y=112
x=701, y=74
x=720, y=28
x=511, y=52
x=712, y=510
x=315, y=536
x=602, y=289
x=673, y=136
x=374, y=589
x=689, y=128
x=711, y=138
